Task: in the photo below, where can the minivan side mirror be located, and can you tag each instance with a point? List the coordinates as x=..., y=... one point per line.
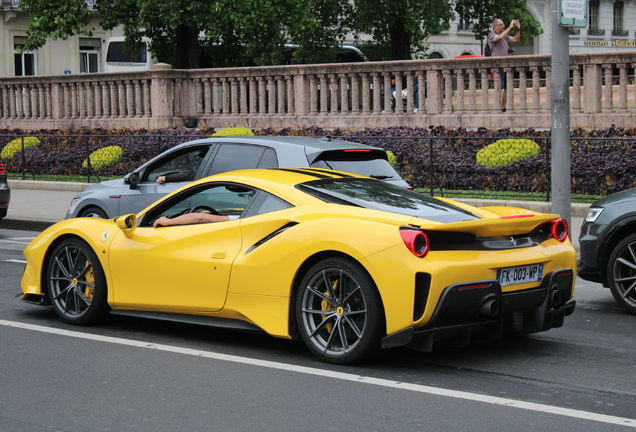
x=132, y=179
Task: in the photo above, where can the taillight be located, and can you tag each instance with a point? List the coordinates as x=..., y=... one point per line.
x=2, y=170
x=559, y=229
x=416, y=241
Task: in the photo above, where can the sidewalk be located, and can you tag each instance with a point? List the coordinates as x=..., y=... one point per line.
x=36, y=205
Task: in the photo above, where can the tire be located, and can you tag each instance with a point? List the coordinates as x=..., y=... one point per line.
x=76, y=283
x=339, y=312
x=94, y=212
x=621, y=273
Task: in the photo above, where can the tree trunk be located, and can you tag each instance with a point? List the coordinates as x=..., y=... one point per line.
x=187, y=55
x=400, y=42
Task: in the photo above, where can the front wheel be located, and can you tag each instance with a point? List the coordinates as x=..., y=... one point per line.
x=76, y=283
x=94, y=212
x=621, y=273
x=339, y=312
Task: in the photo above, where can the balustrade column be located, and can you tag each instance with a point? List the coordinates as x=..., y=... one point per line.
x=33, y=94
x=217, y=95
x=243, y=95
x=99, y=102
x=333, y=93
x=147, y=105
x=262, y=96
x=536, y=88
x=313, y=95
x=4, y=101
x=460, y=74
x=25, y=92
x=234, y=97
x=421, y=93
x=271, y=96
x=435, y=91
x=203, y=90
x=81, y=100
x=608, y=103
x=114, y=105
x=291, y=98
x=410, y=94
x=366, y=94
x=472, y=91
x=13, y=101
x=576, y=89
x=523, y=87
x=74, y=105
x=448, y=91
x=355, y=93
x=225, y=88
x=377, y=106
x=106, y=104
x=510, y=85
x=622, y=67
x=121, y=92
x=90, y=100
x=280, y=85
x=139, y=106
x=387, y=95
x=324, y=95
x=485, y=74
x=593, y=84
x=253, y=94
x=497, y=89
x=344, y=93
x=49, y=99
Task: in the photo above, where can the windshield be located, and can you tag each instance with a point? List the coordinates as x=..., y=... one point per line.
x=378, y=195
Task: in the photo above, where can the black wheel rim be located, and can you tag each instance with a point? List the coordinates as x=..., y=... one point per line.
x=624, y=274
x=71, y=281
x=334, y=312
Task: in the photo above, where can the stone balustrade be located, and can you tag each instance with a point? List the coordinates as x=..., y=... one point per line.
x=448, y=92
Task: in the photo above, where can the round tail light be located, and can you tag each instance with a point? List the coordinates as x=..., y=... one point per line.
x=416, y=241
x=559, y=229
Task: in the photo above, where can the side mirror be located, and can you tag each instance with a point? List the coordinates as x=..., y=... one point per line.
x=132, y=179
x=128, y=224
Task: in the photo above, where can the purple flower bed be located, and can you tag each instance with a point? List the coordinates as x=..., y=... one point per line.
x=602, y=161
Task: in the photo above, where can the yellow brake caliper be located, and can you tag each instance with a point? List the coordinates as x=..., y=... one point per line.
x=89, y=277
x=326, y=306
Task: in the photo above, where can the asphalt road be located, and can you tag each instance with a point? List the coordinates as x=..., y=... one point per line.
x=144, y=375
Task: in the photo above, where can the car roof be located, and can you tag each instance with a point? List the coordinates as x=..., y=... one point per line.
x=309, y=143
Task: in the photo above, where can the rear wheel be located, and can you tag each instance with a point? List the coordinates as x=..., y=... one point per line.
x=621, y=273
x=94, y=212
x=76, y=283
x=339, y=312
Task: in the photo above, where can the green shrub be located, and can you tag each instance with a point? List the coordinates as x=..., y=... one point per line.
x=506, y=151
x=392, y=158
x=103, y=157
x=235, y=131
x=16, y=145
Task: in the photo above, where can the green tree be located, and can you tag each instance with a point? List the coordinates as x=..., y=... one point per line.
x=226, y=32
x=400, y=28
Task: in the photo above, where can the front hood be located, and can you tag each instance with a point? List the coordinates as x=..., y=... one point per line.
x=626, y=197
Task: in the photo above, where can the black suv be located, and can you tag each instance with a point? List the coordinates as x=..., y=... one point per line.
x=608, y=246
x=5, y=192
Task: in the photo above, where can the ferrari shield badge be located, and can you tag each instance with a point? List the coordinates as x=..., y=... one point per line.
x=106, y=234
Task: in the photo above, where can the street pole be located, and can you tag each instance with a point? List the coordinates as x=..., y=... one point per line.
x=560, y=128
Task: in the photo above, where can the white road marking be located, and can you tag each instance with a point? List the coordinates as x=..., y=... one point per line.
x=17, y=261
x=18, y=240
x=511, y=403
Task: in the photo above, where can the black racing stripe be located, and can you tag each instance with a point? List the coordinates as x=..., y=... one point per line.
x=306, y=172
x=322, y=170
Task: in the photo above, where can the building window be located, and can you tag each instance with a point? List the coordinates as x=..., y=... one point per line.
x=593, y=19
x=618, y=20
x=464, y=25
x=25, y=61
x=89, y=55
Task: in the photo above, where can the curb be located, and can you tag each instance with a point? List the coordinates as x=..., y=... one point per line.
x=48, y=185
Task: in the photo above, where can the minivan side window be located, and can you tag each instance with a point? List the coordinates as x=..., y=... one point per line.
x=232, y=157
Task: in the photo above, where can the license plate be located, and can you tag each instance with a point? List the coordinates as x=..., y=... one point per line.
x=520, y=275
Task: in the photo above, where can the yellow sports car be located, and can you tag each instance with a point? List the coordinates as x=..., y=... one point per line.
x=346, y=263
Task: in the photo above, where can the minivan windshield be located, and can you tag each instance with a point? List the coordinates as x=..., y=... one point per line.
x=379, y=195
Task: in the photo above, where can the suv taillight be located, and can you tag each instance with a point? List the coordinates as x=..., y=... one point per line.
x=2, y=170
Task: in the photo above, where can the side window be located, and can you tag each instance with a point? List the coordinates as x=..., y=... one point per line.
x=232, y=157
x=186, y=162
x=269, y=159
x=226, y=199
x=263, y=203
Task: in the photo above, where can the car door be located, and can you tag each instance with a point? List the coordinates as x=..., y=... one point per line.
x=231, y=156
x=189, y=159
x=183, y=268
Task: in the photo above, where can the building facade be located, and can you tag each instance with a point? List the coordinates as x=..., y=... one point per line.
x=611, y=27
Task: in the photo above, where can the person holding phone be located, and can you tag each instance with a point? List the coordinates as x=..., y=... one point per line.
x=499, y=43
